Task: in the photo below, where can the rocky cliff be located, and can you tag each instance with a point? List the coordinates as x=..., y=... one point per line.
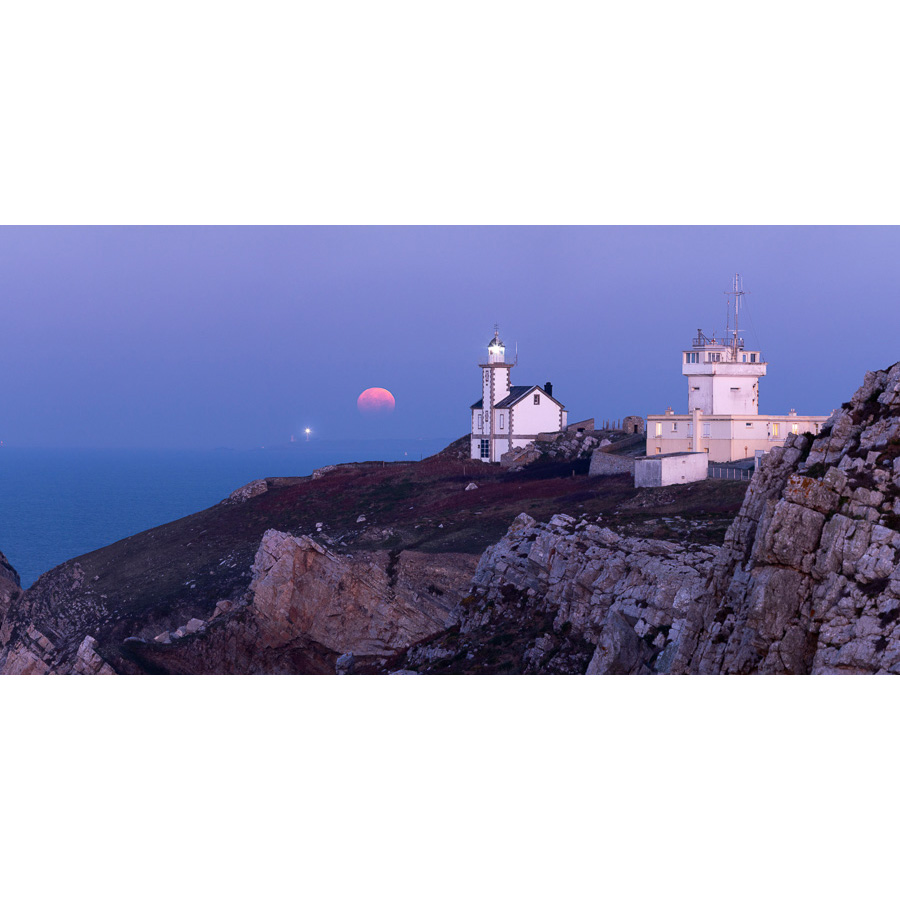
x=807, y=580
x=369, y=568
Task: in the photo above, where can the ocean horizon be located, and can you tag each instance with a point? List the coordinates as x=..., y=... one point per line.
x=57, y=504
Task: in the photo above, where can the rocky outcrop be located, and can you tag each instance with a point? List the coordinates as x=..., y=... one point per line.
x=368, y=604
x=306, y=607
x=566, y=446
x=252, y=489
x=311, y=610
x=573, y=596
x=10, y=587
x=808, y=579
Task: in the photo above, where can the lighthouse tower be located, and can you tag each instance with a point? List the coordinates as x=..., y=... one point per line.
x=496, y=385
x=723, y=375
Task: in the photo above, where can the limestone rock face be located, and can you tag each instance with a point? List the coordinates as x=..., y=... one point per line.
x=599, y=602
x=371, y=604
x=89, y=662
x=808, y=579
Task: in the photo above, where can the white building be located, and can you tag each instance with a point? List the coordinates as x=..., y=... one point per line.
x=723, y=401
x=507, y=417
x=670, y=468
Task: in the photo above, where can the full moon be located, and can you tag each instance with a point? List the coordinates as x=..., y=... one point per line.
x=375, y=401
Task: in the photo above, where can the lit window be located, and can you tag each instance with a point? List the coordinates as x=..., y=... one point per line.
x=776, y=429
x=658, y=429
x=485, y=449
x=659, y=449
x=795, y=429
x=537, y=399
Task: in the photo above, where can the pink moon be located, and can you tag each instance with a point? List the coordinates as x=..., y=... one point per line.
x=375, y=401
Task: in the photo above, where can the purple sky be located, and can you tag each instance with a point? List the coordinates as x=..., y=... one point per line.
x=219, y=336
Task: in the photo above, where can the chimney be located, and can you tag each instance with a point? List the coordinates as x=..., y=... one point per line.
x=548, y=387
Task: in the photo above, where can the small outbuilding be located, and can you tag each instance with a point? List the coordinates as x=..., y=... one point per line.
x=670, y=468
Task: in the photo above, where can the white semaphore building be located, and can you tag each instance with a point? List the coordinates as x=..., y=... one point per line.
x=507, y=417
x=723, y=401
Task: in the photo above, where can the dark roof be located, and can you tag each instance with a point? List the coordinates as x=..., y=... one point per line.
x=514, y=396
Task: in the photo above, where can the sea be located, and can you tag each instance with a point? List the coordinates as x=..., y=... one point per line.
x=56, y=504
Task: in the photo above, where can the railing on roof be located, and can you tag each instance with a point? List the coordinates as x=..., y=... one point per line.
x=703, y=341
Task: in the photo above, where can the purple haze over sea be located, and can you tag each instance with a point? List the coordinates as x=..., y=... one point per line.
x=204, y=337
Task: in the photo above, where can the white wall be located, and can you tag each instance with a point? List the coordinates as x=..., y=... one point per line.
x=531, y=419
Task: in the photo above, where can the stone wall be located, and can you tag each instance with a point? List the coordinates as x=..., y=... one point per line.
x=603, y=463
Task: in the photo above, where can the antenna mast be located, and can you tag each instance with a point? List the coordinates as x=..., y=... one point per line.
x=737, y=292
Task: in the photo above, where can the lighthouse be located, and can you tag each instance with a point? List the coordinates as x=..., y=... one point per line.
x=506, y=416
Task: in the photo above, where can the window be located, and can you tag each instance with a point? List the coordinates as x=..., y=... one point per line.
x=706, y=429
x=695, y=388
x=748, y=424
x=501, y=421
x=480, y=421
x=744, y=358
x=485, y=449
x=776, y=429
x=659, y=449
x=658, y=429
x=674, y=426
x=713, y=357
x=752, y=357
x=795, y=429
x=537, y=399
x=692, y=357
x=736, y=389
